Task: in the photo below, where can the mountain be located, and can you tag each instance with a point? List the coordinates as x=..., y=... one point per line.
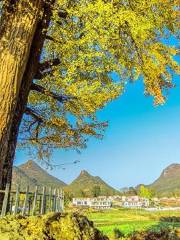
x=168, y=184
x=124, y=189
x=32, y=174
x=20, y=177
x=88, y=185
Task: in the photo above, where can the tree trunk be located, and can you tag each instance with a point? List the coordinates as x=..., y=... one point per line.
x=30, y=72
x=15, y=43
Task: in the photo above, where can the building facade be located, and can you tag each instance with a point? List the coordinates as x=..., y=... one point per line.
x=97, y=203
x=135, y=202
x=108, y=202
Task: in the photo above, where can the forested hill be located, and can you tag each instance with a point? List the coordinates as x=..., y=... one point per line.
x=32, y=174
x=168, y=184
x=88, y=185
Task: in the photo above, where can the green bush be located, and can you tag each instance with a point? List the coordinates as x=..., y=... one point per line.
x=162, y=234
x=117, y=233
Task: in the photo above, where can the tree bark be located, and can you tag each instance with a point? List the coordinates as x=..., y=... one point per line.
x=28, y=76
x=15, y=43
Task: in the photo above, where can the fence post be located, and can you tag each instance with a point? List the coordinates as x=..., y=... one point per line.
x=62, y=200
x=43, y=202
x=16, y=200
x=54, y=201
x=35, y=201
x=58, y=201
x=11, y=204
x=29, y=204
x=25, y=201
x=5, y=200
x=50, y=199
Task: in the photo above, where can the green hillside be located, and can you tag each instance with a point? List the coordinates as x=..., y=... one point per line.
x=87, y=185
x=168, y=184
x=21, y=178
x=32, y=174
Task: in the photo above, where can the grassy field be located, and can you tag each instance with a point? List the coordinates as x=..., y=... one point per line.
x=129, y=220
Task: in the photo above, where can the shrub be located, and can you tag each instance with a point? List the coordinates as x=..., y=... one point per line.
x=54, y=226
x=162, y=234
x=117, y=233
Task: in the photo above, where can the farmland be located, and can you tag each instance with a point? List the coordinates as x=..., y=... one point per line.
x=129, y=220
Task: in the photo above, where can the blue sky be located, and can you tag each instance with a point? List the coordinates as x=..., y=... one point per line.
x=141, y=140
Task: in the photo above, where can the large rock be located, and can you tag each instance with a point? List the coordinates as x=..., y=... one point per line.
x=49, y=227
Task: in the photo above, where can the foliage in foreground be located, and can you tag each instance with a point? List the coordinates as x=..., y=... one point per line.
x=51, y=226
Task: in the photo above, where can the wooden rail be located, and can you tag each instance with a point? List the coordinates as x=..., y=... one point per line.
x=32, y=203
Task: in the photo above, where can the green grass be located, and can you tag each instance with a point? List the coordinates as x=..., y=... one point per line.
x=129, y=220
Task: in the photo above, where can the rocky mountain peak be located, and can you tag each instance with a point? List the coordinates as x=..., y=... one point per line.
x=171, y=169
x=84, y=173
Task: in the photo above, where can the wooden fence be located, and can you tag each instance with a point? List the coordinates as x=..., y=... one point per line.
x=29, y=203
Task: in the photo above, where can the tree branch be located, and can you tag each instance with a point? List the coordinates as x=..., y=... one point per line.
x=35, y=115
x=52, y=39
x=59, y=98
x=62, y=14
x=46, y=68
x=48, y=64
x=37, y=119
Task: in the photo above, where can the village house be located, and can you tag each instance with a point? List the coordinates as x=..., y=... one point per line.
x=172, y=201
x=108, y=202
x=135, y=202
x=115, y=198
x=97, y=203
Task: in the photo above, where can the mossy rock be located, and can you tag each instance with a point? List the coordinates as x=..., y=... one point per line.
x=58, y=226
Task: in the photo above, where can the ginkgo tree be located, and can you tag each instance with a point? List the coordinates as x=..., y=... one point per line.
x=57, y=60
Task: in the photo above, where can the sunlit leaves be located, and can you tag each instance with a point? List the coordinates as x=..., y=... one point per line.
x=93, y=39
x=120, y=36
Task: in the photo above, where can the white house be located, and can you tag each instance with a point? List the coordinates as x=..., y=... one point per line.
x=98, y=203
x=107, y=202
x=135, y=202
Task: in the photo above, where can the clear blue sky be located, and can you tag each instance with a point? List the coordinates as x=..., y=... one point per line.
x=141, y=140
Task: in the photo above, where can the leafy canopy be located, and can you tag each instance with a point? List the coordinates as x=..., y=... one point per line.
x=88, y=41
x=145, y=192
